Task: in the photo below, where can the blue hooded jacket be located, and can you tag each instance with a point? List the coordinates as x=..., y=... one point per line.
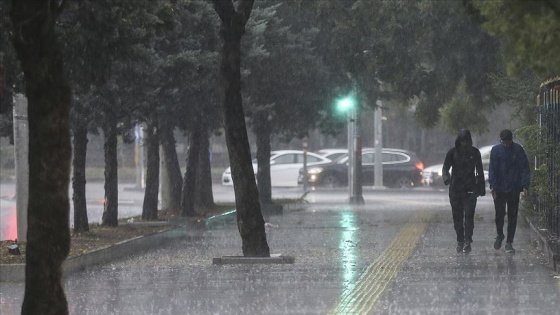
x=509, y=168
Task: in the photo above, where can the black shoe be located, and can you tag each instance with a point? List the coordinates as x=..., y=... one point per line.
x=467, y=248
x=509, y=248
x=460, y=246
x=498, y=242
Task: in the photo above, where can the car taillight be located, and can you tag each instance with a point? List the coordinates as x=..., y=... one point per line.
x=419, y=166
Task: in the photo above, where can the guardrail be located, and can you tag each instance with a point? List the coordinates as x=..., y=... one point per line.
x=548, y=205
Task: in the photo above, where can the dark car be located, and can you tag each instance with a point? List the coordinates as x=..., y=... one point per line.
x=401, y=169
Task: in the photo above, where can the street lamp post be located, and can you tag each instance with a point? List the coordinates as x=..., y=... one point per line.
x=356, y=196
x=354, y=151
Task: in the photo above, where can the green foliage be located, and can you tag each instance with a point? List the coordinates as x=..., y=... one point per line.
x=136, y=57
x=13, y=75
x=283, y=74
x=529, y=31
x=530, y=136
x=463, y=111
x=417, y=49
x=519, y=91
x=538, y=149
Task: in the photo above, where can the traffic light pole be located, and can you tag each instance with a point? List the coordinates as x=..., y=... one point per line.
x=354, y=159
x=348, y=105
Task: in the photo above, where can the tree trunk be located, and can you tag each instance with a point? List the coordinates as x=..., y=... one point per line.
x=189, y=182
x=250, y=221
x=172, y=169
x=150, y=206
x=204, y=198
x=110, y=211
x=262, y=131
x=80, y=141
x=49, y=97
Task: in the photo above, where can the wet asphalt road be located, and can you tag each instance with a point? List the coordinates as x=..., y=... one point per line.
x=394, y=255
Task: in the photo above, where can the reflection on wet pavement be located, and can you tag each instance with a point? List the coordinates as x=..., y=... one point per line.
x=390, y=258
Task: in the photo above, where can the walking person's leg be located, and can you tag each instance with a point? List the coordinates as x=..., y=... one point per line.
x=500, y=208
x=469, y=205
x=512, y=210
x=458, y=214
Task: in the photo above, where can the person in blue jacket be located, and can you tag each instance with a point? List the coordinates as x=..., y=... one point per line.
x=508, y=175
x=466, y=183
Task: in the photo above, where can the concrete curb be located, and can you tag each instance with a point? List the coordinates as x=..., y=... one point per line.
x=16, y=272
x=267, y=211
x=550, y=248
x=241, y=260
x=186, y=228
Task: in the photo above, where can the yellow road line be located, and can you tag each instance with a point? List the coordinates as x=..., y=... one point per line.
x=366, y=293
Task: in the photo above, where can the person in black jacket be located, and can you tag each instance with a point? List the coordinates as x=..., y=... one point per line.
x=466, y=183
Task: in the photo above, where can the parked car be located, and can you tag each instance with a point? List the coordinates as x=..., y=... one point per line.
x=485, y=155
x=284, y=167
x=433, y=175
x=334, y=154
x=401, y=169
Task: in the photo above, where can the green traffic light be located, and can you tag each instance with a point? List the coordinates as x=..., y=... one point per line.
x=345, y=104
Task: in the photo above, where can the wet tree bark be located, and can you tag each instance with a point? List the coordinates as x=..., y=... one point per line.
x=263, y=131
x=80, y=141
x=110, y=211
x=150, y=205
x=173, y=170
x=189, y=182
x=204, y=198
x=49, y=97
x=250, y=221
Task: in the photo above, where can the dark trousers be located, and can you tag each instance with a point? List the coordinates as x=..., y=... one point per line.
x=462, y=208
x=511, y=200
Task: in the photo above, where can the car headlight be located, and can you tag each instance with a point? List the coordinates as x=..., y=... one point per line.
x=314, y=171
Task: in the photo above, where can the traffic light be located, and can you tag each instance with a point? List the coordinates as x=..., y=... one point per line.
x=345, y=104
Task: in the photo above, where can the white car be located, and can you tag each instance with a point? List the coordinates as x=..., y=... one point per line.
x=284, y=167
x=433, y=175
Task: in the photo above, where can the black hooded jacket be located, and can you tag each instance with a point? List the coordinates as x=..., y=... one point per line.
x=465, y=162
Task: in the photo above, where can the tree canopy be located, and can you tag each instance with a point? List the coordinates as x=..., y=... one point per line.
x=529, y=32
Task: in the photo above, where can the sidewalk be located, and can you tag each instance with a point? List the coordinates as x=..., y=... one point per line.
x=348, y=260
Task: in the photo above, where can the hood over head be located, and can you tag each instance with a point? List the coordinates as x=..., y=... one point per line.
x=464, y=134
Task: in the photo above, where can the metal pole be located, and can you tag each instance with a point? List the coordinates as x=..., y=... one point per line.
x=164, y=184
x=305, y=146
x=356, y=196
x=21, y=150
x=350, y=154
x=139, y=156
x=378, y=136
